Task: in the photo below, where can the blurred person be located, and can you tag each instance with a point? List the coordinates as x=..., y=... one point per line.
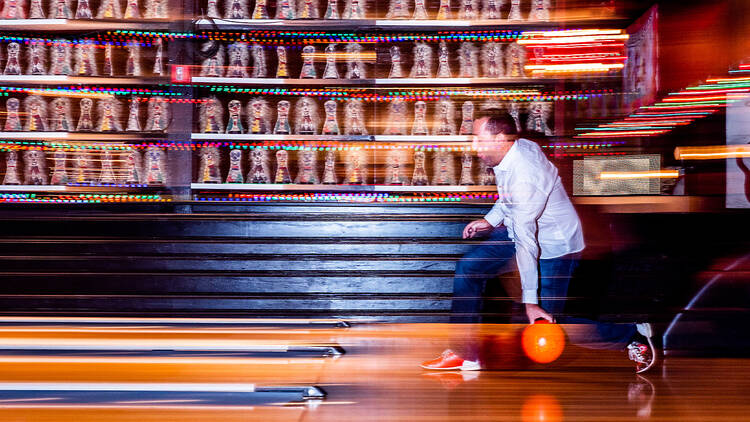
x=535, y=221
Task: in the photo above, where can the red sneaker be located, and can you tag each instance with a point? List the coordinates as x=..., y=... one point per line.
x=448, y=361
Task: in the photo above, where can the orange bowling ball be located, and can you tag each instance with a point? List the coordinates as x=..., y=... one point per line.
x=543, y=342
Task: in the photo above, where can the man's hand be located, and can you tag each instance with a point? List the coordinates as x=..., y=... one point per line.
x=534, y=312
x=476, y=228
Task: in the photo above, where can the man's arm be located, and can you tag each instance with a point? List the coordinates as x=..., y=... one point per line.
x=528, y=203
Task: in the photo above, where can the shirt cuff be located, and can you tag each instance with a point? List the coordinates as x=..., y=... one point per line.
x=529, y=296
x=494, y=218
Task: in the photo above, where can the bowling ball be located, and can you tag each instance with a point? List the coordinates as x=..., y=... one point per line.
x=543, y=342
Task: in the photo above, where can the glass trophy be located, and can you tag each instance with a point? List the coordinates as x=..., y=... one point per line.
x=132, y=168
x=443, y=169
x=282, y=167
x=82, y=170
x=155, y=169
x=259, y=61
x=282, y=69
x=422, y=67
x=396, y=118
x=209, y=171
x=109, y=115
x=330, y=71
x=134, y=121
x=236, y=9
x=354, y=123
x=35, y=172
x=211, y=115
x=259, y=172
x=109, y=9
x=467, y=169
x=86, y=119
x=332, y=10
x=515, y=113
x=13, y=60
x=538, y=115
x=133, y=62
x=515, y=57
x=132, y=10
x=36, y=10
x=444, y=67
x=60, y=58
x=238, y=57
x=492, y=60
x=37, y=58
x=468, y=10
x=394, y=168
x=306, y=117
x=331, y=124
x=212, y=9
x=308, y=9
x=60, y=117
x=420, y=10
x=467, y=118
x=260, y=11
x=12, y=115
x=156, y=9
x=444, y=10
x=86, y=59
x=59, y=170
x=235, y=167
x=213, y=64
x=444, y=118
x=282, y=126
x=515, y=11
x=259, y=116
x=107, y=69
x=419, y=177
x=540, y=10
x=491, y=9
x=398, y=9
x=307, y=173
x=329, y=169
x=468, y=61
x=83, y=10
x=356, y=167
x=60, y=9
x=395, y=63
x=234, y=123
x=36, y=114
x=285, y=9
x=355, y=9
x=308, y=63
x=158, y=115
x=355, y=67
x=13, y=9
x=11, y=169
x=107, y=174
x=159, y=57
x=419, y=127
x=487, y=176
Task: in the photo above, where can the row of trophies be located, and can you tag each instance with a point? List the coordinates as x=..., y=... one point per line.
x=62, y=9
x=57, y=117
x=62, y=51
x=397, y=9
x=497, y=61
x=84, y=167
x=307, y=119
x=399, y=170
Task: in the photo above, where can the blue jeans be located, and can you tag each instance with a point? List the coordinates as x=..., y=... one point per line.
x=483, y=263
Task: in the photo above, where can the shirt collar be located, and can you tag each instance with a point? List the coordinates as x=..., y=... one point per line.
x=507, y=161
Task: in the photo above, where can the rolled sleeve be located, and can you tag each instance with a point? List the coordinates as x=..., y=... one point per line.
x=496, y=215
x=528, y=203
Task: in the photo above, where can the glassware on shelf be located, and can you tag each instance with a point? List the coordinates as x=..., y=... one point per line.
x=330, y=72
x=332, y=10
x=109, y=115
x=443, y=167
x=285, y=9
x=330, y=124
x=238, y=58
x=133, y=62
x=213, y=63
x=306, y=117
x=107, y=172
x=467, y=118
x=132, y=10
x=422, y=67
x=282, y=69
x=444, y=118
x=491, y=9
x=467, y=169
x=356, y=167
x=60, y=58
x=308, y=63
x=444, y=67
x=515, y=11
x=355, y=65
x=308, y=9
x=307, y=171
x=419, y=127
x=13, y=59
x=396, y=123
x=540, y=10
x=158, y=115
x=132, y=168
x=539, y=112
x=354, y=9
x=86, y=115
x=515, y=56
x=37, y=57
x=86, y=59
x=35, y=172
x=259, y=61
x=11, y=169
x=354, y=118
x=109, y=9
x=468, y=63
x=283, y=175
x=420, y=10
x=234, y=175
x=329, y=168
x=259, y=172
x=236, y=9
x=12, y=115
x=468, y=10
x=419, y=176
x=234, y=121
x=258, y=116
x=444, y=10
x=395, y=168
x=398, y=9
x=282, y=126
x=83, y=10
x=60, y=115
x=209, y=170
x=134, y=120
x=82, y=171
x=211, y=115
x=36, y=113
x=260, y=11
x=156, y=9
x=156, y=167
x=492, y=60
x=59, y=170
x=13, y=9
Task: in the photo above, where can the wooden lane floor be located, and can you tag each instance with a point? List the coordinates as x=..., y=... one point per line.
x=379, y=380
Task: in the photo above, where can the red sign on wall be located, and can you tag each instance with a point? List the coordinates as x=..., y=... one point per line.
x=180, y=73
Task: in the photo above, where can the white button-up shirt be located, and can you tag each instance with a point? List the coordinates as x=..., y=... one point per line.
x=536, y=210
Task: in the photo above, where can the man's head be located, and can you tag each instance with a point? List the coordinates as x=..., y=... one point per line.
x=494, y=134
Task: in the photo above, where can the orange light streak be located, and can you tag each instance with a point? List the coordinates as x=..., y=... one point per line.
x=664, y=174
x=712, y=152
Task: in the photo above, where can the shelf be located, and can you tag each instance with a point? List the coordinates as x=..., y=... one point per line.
x=81, y=80
x=80, y=136
x=336, y=188
x=92, y=188
x=72, y=25
x=406, y=82
x=261, y=137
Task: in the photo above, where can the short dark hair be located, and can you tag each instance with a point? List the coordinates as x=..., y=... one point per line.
x=498, y=121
